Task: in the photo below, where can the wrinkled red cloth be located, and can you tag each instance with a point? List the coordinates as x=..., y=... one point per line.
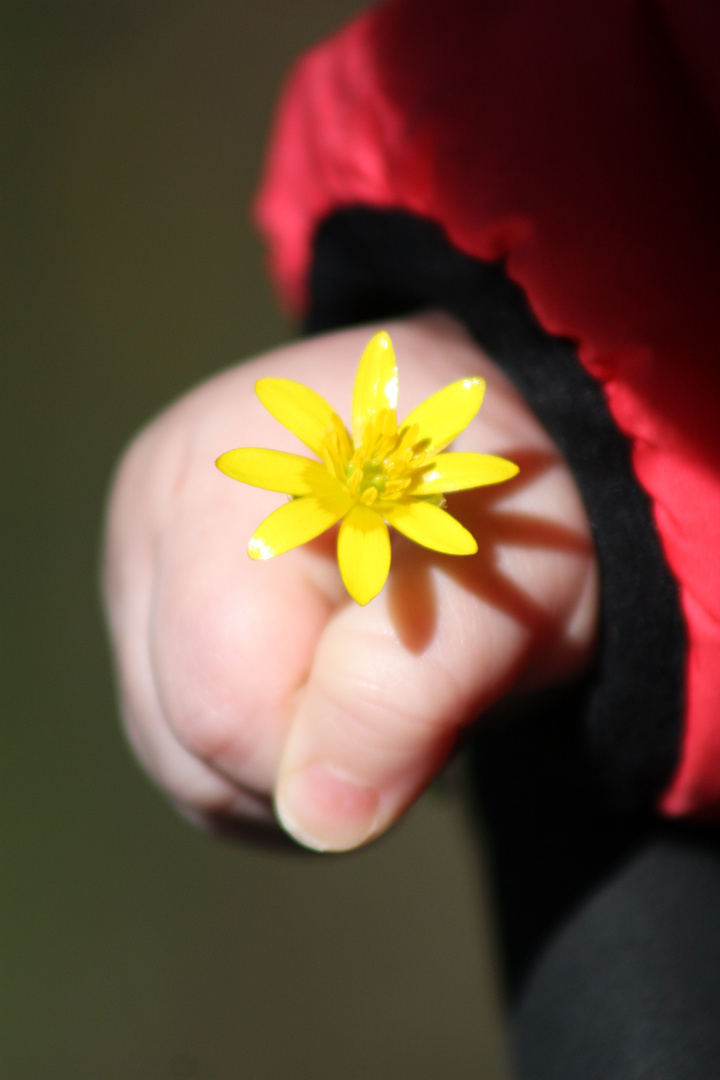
x=581, y=142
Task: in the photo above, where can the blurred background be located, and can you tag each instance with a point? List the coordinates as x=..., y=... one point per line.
x=132, y=134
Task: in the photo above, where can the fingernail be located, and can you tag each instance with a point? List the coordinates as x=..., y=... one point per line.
x=324, y=809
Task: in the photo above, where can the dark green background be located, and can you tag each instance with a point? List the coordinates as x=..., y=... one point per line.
x=132, y=946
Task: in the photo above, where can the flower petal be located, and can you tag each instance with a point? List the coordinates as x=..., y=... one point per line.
x=363, y=553
x=303, y=411
x=456, y=472
x=430, y=526
x=295, y=523
x=443, y=415
x=277, y=471
x=376, y=384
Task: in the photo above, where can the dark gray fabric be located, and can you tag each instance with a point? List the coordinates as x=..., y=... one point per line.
x=630, y=989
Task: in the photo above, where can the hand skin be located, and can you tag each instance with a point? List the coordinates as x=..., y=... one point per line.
x=252, y=686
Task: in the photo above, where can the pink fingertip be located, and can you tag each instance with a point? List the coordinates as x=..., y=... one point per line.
x=325, y=810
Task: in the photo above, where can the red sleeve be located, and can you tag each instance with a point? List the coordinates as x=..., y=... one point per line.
x=580, y=142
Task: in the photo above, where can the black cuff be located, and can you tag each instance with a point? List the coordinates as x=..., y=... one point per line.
x=371, y=264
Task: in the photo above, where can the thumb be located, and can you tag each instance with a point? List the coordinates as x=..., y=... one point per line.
x=393, y=682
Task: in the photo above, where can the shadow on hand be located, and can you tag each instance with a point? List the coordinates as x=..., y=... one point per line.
x=412, y=599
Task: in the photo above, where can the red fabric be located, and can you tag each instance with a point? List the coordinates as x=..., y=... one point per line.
x=580, y=140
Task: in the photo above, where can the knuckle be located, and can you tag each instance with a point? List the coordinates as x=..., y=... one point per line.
x=199, y=684
x=389, y=703
x=207, y=734
x=190, y=784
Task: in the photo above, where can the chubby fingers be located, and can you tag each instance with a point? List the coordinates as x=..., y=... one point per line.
x=392, y=683
x=208, y=654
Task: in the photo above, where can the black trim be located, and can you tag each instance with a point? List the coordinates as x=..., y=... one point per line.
x=372, y=264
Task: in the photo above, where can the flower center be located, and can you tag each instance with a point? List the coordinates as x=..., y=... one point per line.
x=365, y=480
x=372, y=476
x=382, y=464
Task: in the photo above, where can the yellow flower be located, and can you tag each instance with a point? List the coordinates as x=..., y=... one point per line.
x=380, y=474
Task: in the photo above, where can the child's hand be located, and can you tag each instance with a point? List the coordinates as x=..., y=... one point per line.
x=244, y=681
